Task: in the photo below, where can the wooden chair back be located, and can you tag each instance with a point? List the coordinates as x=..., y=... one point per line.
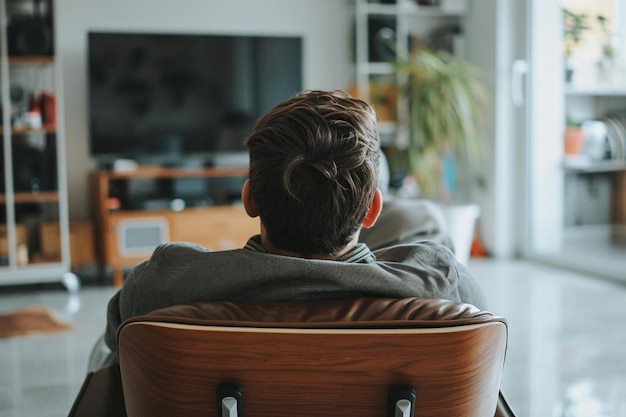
x=320, y=358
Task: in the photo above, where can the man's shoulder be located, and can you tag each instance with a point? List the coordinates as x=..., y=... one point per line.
x=420, y=248
x=174, y=247
x=190, y=247
x=192, y=253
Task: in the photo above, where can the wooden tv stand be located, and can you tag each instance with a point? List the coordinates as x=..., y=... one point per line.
x=127, y=234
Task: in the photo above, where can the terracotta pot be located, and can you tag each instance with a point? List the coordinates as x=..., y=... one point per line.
x=573, y=140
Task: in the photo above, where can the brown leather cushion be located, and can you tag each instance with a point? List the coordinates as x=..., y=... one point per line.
x=348, y=313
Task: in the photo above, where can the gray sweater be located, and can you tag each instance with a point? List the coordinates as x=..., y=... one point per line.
x=181, y=273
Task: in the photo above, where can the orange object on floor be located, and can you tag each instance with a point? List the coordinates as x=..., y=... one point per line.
x=477, y=250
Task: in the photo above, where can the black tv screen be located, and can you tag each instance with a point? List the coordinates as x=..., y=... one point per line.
x=171, y=96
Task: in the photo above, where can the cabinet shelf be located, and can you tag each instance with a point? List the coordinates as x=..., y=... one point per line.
x=376, y=68
x=42, y=197
x=409, y=8
x=412, y=9
x=16, y=131
x=599, y=90
x=31, y=60
x=579, y=165
x=380, y=9
x=161, y=172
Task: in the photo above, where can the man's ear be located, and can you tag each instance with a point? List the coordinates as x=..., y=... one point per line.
x=248, y=201
x=375, y=209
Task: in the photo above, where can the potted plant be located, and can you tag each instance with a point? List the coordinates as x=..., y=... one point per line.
x=608, y=52
x=573, y=138
x=446, y=101
x=574, y=26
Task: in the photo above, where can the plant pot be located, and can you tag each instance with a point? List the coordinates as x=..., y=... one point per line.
x=573, y=140
x=461, y=223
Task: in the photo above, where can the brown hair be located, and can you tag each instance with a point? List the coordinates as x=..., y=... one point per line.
x=314, y=170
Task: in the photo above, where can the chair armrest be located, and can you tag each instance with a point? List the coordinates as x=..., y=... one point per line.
x=503, y=409
x=100, y=395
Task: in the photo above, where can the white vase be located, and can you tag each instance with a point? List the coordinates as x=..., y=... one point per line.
x=461, y=223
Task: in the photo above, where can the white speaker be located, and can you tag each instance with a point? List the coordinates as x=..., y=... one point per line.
x=139, y=237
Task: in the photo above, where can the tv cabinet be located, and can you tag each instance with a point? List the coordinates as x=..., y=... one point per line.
x=135, y=211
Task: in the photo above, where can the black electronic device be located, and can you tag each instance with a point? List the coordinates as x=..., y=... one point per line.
x=34, y=162
x=174, y=97
x=30, y=34
x=382, y=38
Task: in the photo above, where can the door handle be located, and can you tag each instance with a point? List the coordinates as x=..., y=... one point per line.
x=518, y=75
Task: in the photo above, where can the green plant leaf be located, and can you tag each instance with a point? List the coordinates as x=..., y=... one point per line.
x=446, y=104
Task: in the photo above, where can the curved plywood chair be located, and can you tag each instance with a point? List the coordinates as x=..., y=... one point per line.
x=361, y=357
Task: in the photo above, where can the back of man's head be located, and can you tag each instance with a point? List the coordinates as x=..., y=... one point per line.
x=314, y=163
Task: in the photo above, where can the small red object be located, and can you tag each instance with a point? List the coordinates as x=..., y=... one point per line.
x=47, y=104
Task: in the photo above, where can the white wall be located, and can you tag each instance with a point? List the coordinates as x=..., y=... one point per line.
x=324, y=24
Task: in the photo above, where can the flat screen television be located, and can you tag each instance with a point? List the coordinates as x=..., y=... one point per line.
x=170, y=97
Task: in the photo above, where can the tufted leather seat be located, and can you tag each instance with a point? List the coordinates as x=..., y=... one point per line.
x=361, y=313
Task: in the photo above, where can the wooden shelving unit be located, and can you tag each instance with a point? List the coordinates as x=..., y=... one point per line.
x=45, y=129
x=31, y=60
x=33, y=190
x=22, y=198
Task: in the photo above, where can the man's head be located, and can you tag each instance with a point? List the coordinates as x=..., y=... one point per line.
x=314, y=163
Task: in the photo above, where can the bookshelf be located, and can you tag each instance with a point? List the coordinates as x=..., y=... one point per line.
x=33, y=194
x=594, y=178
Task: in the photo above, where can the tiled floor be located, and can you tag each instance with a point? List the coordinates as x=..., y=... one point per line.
x=566, y=355
x=599, y=248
